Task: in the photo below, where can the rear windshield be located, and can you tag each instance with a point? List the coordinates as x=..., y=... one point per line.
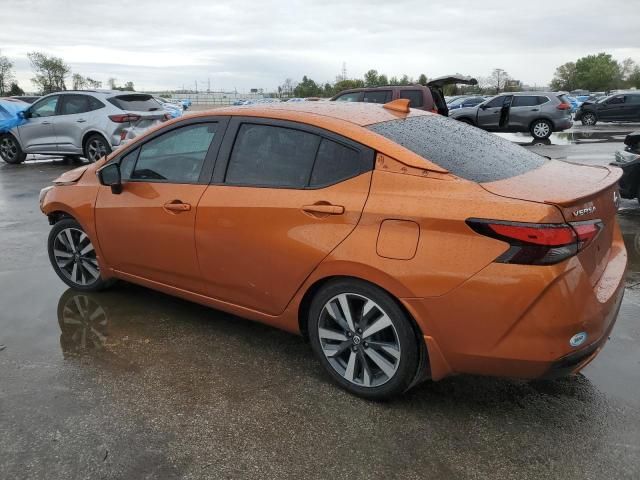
x=463, y=150
x=137, y=103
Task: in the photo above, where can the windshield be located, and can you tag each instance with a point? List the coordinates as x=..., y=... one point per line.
x=465, y=151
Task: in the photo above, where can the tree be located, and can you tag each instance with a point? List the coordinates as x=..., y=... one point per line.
x=371, y=78
x=383, y=80
x=15, y=90
x=347, y=84
x=287, y=87
x=78, y=81
x=6, y=75
x=497, y=80
x=94, y=84
x=50, y=72
x=307, y=88
x=128, y=86
x=422, y=79
x=633, y=79
x=565, y=77
x=394, y=81
x=112, y=83
x=598, y=72
x=405, y=80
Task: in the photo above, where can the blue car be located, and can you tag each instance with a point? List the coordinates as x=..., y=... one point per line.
x=574, y=103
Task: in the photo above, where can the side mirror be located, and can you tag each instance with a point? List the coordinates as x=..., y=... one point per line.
x=24, y=114
x=483, y=107
x=109, y=176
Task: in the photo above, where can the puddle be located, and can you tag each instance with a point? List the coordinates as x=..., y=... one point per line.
x=566, y=138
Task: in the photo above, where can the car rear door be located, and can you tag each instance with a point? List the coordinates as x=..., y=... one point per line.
x=73, y=120
x=284, y=196
x=37, y=134
x=147, y=231
x=524, y=109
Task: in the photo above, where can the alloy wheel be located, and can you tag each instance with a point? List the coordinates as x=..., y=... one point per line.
x=96, y=149
x=589, y=119
x=541, y=129
x=83, y=323
x=8, y=149
x=75, y=257
x=359, y=340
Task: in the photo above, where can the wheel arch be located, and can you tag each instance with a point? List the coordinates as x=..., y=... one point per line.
x=56, y=215
x=553, y=124
x=93, y=131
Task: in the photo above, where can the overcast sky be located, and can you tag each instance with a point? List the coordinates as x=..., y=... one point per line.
x=162, y=44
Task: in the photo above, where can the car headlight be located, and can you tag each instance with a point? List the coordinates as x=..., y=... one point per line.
x=43, y=194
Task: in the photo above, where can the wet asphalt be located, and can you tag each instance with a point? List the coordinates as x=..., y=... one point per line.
x=133, y=384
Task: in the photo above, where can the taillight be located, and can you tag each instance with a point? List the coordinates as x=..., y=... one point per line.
x=125, y=117
x=564, y=106
x=538, y=243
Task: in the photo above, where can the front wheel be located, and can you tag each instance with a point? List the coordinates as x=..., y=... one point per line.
x=10, y=149
x=96, y=147
x=363, y=339
x=73, y=257
x=541, y=129
x=589, y=119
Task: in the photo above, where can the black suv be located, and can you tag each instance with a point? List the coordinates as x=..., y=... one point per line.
x=622, y=107
x=629, y=161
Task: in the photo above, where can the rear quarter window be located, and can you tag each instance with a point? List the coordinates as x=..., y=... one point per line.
x=463, y=150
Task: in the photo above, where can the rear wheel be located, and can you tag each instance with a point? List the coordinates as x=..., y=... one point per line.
x=73, y=257
x=541, y=129
x=363, y=339
x=589, y=119
x=10, y=150
x=96, y=147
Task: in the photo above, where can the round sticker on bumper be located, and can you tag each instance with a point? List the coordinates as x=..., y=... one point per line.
x=578, y=339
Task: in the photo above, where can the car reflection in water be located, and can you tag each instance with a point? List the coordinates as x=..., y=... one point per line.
x=83, y=323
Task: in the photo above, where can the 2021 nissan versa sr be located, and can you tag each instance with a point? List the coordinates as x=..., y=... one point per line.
x=402, y=244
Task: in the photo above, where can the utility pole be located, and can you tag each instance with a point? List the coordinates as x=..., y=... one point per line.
x=196, y=86
x=208, y=85
x=344, y=70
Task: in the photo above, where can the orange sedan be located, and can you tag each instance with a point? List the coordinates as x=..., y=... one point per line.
x=402, y=244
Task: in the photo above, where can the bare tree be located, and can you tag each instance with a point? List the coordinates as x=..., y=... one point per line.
x=78, y=81
x=50, y=72
x=112, y=83
x=497, y=80
x=6, y=75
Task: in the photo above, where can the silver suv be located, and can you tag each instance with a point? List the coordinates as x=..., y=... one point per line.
x=80, y=123
x=540, y=113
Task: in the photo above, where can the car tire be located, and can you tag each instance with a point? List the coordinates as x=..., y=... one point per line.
x=376, y=354
x=10, y=149
x=541, y=129
x=73, y=257
x=589, y=119
x=96, y=147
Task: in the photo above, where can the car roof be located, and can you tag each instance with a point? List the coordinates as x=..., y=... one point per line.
x=359, y=113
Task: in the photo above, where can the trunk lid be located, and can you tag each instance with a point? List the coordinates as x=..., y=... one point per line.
x=582, y=193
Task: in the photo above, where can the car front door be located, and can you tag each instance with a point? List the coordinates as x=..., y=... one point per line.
x=634, y=107
x=613, y=109
x=37, y=135
x=73, y=120
x=287, y=196
x=489, y=113
x=147, y=231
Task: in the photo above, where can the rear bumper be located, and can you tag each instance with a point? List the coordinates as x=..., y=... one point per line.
x=563, y=124
x=515, y=321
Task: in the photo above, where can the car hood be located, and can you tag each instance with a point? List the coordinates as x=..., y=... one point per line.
x=71, y=176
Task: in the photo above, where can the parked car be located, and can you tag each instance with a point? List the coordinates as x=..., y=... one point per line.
x=26, y=98
x=463, y=102
x=87, y=123
x=573, y=102
x=624, y=107
x=403, y=245
x=173, y=109
x=428, y=98
x=539, y=113
x=629, y=161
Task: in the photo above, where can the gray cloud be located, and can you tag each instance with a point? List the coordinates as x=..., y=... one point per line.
x=246, y=44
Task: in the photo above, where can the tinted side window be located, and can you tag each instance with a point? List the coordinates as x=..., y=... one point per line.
x=615, y=100
x=524, y=101
x=465, y=151
x=95, y=104
x=377, y=96
x=496, y=102
x=415, y=96
x=335, y=163
x=176, y=156
x=633, y=99
x=350, y=97
x=72, y=104
x=542, y=100
x=265, y=155
x=46, y=107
